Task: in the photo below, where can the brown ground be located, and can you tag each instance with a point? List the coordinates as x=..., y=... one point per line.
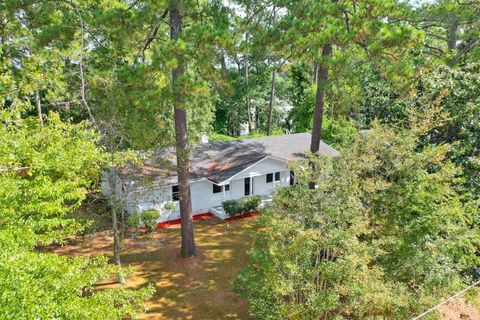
x=200, y=287
x=195, y=288
x=460, y=310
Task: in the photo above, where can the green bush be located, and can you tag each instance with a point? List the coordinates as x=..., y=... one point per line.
x=237, y=207
x=133, y=221
x=169, y=206
x=147, y=218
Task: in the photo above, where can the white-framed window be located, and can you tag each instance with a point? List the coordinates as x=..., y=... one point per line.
x=216, y=189
x=277, y=176
x=269, y=178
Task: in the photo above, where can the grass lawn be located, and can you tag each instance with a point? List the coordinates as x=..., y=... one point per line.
x=200, y=287
x=194, y=288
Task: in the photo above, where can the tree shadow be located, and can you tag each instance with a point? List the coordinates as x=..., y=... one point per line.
x=191, y=288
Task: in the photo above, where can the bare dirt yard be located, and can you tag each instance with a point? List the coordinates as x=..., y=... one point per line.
x=200, y=287
x=194, y=288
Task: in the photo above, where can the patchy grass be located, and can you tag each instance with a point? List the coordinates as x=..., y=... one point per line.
x=194, y=288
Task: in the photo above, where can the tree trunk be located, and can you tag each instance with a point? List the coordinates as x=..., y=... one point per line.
x=315, y=72
x=247, y=97
x=322, y=81
x=39, y=107
x=452, y=31
x=272, y=103
x=117, y=237
x=188, y=242
x=117, y=243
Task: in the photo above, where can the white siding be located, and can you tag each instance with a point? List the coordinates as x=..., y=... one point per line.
x=266, y=165
x=150, y=199
x=236, y=189
x=203, y=197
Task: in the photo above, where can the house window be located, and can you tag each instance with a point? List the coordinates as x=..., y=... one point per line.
x=246, y=185
x=277, y=176
x=227, y=187
x=269, y=177
x=175, y=193
x=216, y=189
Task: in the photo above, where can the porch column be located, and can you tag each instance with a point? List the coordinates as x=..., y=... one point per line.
x=223, y=188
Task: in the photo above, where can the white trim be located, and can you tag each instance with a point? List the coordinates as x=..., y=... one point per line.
x=227, y=181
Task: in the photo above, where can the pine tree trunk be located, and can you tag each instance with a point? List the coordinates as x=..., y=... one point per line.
x=272, y=103
x=188, y=242
x=322, y=81
x=247, y=97
x=452, y=31
x=39, y=107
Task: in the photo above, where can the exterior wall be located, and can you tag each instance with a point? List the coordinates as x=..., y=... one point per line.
x=258, y=174
x=236, y=189
x=262, y=187
x=105, y=185
x=285, y=178
x=203, y=197
x=150, y=199
x=267, y=165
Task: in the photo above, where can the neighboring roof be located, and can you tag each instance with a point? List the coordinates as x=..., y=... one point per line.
x=218, y=161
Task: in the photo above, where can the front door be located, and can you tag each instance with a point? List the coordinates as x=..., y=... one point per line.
x=247, y=182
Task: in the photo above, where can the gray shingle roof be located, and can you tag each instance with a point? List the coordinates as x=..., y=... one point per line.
x=218, y=161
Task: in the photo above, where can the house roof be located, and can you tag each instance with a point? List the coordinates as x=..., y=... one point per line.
x=219, y=161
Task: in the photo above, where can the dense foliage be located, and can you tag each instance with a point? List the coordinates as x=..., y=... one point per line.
x=386, y=233
x=246, y=204
x=391, y=225
x=45, y=173
x=146, y=218
x=453, y=91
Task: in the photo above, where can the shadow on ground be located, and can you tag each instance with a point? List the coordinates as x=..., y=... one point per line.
x=193, y=288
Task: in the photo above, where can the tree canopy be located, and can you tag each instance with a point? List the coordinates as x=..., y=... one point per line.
x=385, y=230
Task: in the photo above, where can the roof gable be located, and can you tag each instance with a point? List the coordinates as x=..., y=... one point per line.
x=219, y=161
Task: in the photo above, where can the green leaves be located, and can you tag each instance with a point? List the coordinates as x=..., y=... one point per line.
x=385, y=234
x=49, y=286
x=45, y=172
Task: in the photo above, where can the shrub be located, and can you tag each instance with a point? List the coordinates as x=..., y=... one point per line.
x=237, y=207
x=133, y=221
x=169, y=206
x=147, y=218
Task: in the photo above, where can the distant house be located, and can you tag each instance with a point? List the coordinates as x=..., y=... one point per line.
x=220, y=171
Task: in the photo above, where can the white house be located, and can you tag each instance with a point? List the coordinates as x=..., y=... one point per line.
x=220, y=171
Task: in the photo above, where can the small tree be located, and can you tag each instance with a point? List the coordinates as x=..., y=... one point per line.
x=146, y=218
x=45, y=173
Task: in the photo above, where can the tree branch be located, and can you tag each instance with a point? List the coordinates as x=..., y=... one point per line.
x=150, y=37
